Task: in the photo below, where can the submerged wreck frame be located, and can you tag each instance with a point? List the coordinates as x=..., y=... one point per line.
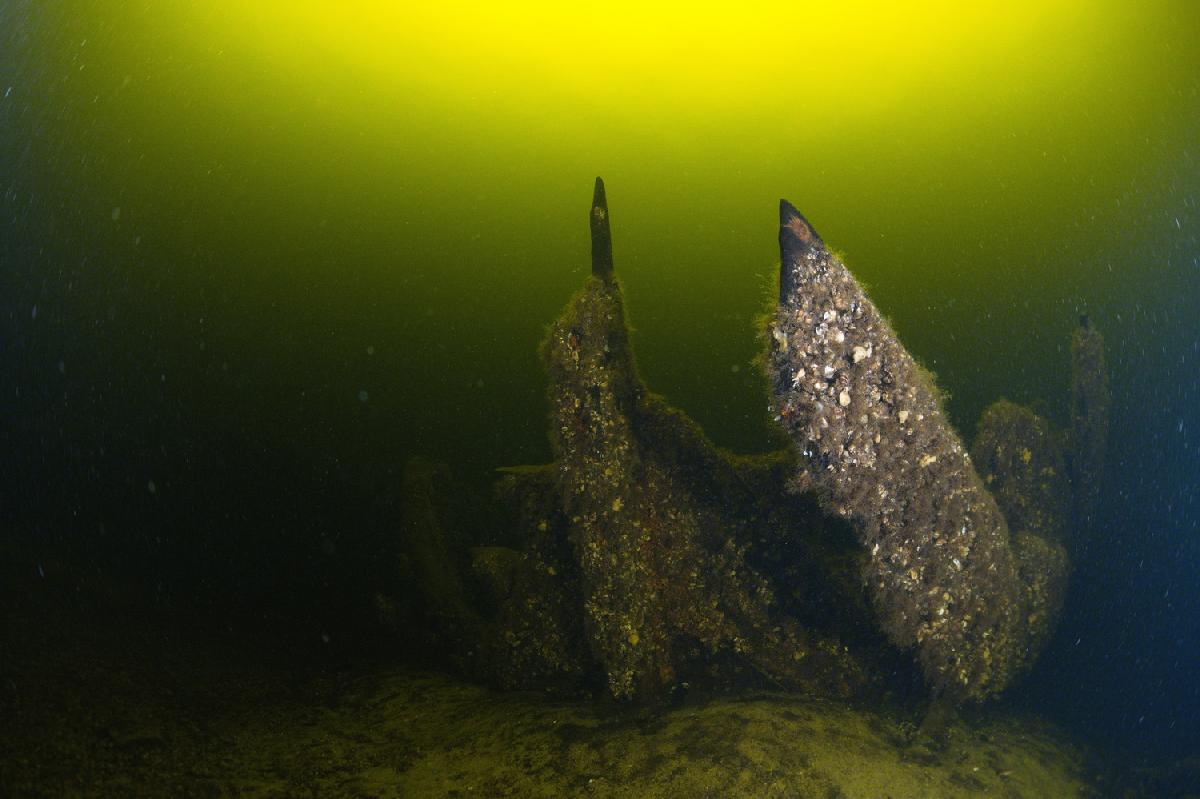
x=644, y=558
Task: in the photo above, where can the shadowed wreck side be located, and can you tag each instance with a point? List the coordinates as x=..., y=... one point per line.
x=945, y=574
x=660, y=518
x=645, y=559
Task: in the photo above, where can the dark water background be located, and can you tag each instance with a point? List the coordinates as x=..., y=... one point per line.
x=237, y=294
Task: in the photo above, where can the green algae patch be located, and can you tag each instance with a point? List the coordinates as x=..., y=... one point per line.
x=99, y=703
x=459, y=740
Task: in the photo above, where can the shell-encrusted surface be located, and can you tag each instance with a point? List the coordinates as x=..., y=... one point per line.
x=876, y=446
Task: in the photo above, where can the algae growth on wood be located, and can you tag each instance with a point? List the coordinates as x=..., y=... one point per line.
x=947, y=576
x=661, y=520
x=644, y=558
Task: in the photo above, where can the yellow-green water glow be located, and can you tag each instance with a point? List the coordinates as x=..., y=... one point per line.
x=635, y=59
x=254, y=255
x=413, y=177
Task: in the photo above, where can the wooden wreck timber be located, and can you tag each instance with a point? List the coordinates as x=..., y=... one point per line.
x=945, y=573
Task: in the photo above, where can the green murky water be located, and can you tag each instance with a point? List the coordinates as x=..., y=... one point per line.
x=251, y=261
x=292, y=217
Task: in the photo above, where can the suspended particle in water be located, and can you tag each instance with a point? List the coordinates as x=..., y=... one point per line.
x=370, y=349
x=363, y=396
x=151, y=487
